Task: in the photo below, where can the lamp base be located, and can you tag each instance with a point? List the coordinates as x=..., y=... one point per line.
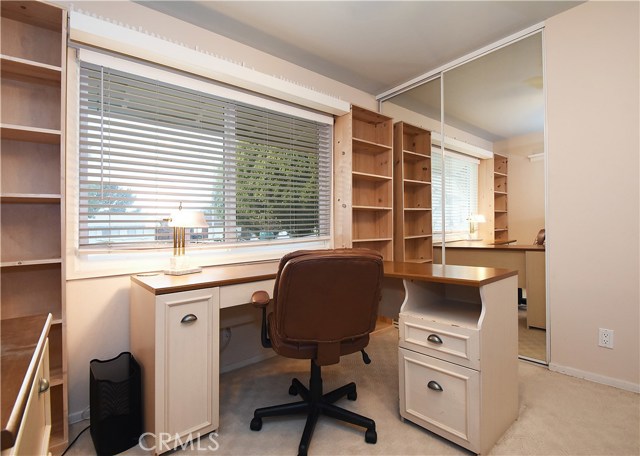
x=180, y=265
x=183, y=271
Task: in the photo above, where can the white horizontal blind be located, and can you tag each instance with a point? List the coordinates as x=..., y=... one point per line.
x=461, y=181
x=146, y=146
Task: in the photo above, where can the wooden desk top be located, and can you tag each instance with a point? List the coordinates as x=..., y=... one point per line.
x=216, y=276
x=459, y=275
x=480, y=245
x=22, y=341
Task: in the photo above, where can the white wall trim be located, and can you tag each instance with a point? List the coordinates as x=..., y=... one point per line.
x=123, y=39
x=77, y=417
x=548, y=239
x=597, y=378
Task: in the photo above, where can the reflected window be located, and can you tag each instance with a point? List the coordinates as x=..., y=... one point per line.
x=461, y=184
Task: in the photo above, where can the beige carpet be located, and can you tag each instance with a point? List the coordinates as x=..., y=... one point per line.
x=559, y=415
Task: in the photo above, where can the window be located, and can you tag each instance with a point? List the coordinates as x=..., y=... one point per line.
x=461, y=197
x=146, y=146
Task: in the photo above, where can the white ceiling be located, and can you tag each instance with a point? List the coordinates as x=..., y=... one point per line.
x=377, y=45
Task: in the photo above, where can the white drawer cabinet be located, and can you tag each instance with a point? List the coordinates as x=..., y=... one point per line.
x=175, y=338
x=458, y=359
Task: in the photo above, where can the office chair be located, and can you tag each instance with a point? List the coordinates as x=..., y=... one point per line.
x=325, y=304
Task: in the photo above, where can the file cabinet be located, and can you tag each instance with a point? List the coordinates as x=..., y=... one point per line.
x=458, y=359
x=175, y=338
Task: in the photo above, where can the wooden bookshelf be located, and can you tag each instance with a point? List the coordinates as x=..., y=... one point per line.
x=364, y=181
x=412, y=193
x=500, y=197
x=33, y=62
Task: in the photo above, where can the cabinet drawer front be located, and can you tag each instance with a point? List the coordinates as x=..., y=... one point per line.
x=450, y=343
x=235, y=295
x=440, y=396
x=189, y=373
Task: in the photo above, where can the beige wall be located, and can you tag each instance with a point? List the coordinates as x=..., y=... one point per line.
x=592, y=63
x=525, y=185
x=97, y=318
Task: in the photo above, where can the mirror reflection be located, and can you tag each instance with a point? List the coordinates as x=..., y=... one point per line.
x=493, y=165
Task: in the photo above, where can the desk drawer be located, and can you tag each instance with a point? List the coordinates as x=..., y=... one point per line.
x=451, y=343
x=440, y=396
x=235, y=295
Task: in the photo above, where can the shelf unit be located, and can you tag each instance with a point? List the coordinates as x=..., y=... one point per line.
x=413, y=230
x=500, y=198
x=33, y=61
x=364, y=181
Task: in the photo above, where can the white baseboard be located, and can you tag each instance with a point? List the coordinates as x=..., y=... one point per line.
x=616, y=383
x=246, y=362
x=76, y=417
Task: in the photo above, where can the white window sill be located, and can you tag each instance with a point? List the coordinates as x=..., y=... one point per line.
x=83, y=265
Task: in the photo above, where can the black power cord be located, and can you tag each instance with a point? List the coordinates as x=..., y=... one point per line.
x=74, y=440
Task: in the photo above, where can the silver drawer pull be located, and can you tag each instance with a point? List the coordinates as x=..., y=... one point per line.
x=43, y=387
x=188, y=318
x=434, y=386
x=435, y=339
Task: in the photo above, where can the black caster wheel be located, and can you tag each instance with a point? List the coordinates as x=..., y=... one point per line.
x=256, y=424
x=352, y=396
x=371, y=436
x=293, y=390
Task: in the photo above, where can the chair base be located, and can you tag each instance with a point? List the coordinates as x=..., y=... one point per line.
x=314, y=403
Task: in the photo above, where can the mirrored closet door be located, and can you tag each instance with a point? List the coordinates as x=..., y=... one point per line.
x=491, y=168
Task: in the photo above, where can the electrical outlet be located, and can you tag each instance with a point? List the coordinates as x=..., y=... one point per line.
x=605, y=338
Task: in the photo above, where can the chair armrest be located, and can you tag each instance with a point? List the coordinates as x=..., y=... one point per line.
x=260, y=299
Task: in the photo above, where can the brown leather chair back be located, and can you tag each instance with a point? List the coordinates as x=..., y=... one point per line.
x=326, y=299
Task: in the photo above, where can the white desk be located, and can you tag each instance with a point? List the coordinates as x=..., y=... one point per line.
x=459, y=302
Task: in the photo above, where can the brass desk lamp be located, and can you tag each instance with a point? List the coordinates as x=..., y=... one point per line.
x=180, y=220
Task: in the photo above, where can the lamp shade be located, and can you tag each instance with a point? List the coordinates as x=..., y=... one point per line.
x=477, y=218
x=187, y=219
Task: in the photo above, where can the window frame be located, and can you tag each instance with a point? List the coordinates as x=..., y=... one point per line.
x=92, y=262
